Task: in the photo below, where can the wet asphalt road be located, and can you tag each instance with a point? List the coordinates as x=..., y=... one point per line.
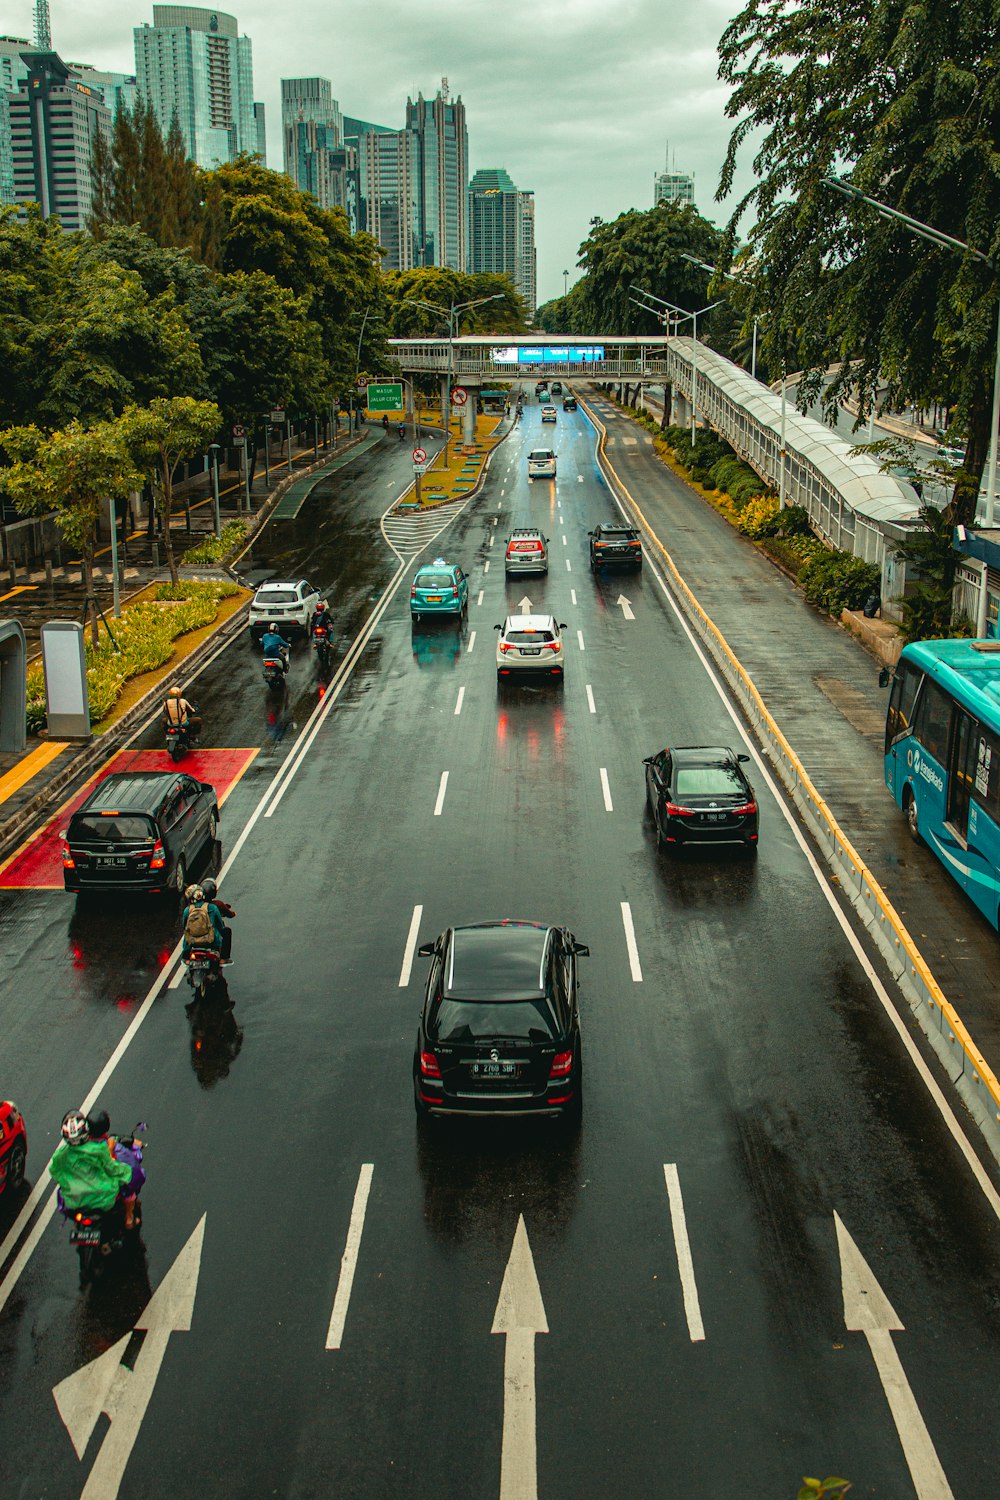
x=751, y=1054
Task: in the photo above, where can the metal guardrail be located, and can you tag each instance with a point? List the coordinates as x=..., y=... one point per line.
x=969, y=1071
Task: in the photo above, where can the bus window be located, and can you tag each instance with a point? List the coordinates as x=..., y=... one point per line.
x=961, y=772
x=904, y=690
x=933, y=721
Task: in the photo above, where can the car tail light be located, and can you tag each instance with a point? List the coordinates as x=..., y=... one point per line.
x=673, y=811
x=600, y=544
x=159, y=858
x=413, y=590
x=69, y=863
x=635, y=544
x=429, y=1065
x=746, y=810
x=562, y=1063
x=553, y=645
x=505, y=646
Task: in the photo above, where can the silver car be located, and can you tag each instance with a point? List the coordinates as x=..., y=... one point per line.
x=530, y=643
x=527, y=551
x=541, y=464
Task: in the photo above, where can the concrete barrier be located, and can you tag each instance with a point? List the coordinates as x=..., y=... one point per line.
x=968, y=1070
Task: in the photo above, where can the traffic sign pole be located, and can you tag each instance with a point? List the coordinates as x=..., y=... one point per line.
x=246, y=469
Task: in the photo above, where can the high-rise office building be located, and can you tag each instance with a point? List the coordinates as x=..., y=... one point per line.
x=502, y=230
x=317, y=157
x=442, y=161
x=192, y=63
x=13, y=67
x=673, y=187
x=119, y=89
x=389, y=184
x=54, y=120
x=260, y=124
x=6, y=151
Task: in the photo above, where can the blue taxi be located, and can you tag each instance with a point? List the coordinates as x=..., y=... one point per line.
x=439, y=588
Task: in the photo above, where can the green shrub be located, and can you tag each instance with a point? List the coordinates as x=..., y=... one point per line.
x=795, y=521
x=215, y=547
x=837, y=581
x=760, y=517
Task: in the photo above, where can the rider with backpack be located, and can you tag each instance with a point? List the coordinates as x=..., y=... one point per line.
x=202, y=923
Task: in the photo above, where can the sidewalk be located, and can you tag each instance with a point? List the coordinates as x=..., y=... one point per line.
x=37, y=598
x=822, y=688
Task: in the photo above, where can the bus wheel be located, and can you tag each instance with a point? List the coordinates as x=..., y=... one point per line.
x=912, y=822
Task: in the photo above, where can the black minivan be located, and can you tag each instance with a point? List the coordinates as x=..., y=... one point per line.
x=500, y=1027
x=139, y=831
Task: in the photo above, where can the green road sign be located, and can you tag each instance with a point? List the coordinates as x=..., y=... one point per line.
x=384, y=397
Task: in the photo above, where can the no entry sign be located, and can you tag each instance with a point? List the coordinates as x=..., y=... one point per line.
x=459, y=396
x=420, y=455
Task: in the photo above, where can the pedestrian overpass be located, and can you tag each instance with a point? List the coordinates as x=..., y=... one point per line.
x=474, y=359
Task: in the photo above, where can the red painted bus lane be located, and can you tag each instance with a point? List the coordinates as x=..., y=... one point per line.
x=37, y=864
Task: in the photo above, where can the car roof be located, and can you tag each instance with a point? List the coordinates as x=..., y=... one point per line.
x=132, y=791
x=700, y=755
x=613, y=526
x=526, y=531
x=530, y=622
x=497, y=960
x=541, y=453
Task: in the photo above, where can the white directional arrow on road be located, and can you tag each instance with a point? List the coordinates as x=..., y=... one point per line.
x=524, y=605
x=868, y=1310
x=626, y=607
x=123, y=1394
x=520, y=1315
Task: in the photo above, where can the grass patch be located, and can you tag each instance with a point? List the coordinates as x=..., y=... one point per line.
x=214, y=548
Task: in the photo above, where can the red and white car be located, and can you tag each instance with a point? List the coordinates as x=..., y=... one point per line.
x=13, y=1146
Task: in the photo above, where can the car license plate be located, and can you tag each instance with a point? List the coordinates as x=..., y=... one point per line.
x=433, y=599
x=494, y=1070
x=531, y=650
x=714, y=817
x=80, y=1235
x=111, y=859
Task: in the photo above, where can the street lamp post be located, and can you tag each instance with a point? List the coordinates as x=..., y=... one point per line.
x=565, y=283
x=948, y=242
x=694, y=316
x=213, y=455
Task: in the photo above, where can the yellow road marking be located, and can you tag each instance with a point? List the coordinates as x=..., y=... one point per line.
x=22, y=588
x=29, y=767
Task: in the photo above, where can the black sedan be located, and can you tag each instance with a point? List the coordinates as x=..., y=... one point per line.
x=500, y=1027
x=699, y=794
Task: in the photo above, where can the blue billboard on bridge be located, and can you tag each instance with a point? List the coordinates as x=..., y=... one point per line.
x=548, y=354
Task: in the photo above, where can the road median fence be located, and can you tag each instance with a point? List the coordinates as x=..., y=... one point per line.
x=968, y=1070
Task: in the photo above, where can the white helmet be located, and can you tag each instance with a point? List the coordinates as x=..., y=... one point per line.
x=75, y=1129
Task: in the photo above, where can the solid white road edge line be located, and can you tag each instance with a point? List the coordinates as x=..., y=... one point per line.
x=349, y=1259
x=458, y=705
x=606, y=789
x=472, y=641
x=685, y=1265
x=923, y=1071
x=440, y=796
x=590, y=699
x=411, y=944
x=633, y=951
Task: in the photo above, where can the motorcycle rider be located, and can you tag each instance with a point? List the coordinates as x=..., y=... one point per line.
x=202, y=923
x=89, y=1177
x=179, y=713
x=402, y=431
x=99, y=1128
x=385, y=421
x=210, y=891
x=321, y=617
x=275, y=646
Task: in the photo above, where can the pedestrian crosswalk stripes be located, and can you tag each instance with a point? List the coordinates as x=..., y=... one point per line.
x=409, y=533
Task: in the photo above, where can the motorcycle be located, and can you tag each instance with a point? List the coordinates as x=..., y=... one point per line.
x=321, y=645
x=204, y=972
x=96, y=1233
x=179, y=739
x=274, y=671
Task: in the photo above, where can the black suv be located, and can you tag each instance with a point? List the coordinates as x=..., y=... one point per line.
x=139, y=831
x=500, y=1028
x=618, y=545
x=569, y=403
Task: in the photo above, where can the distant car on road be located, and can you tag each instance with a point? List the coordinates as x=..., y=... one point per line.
x=530, y=643
x=615, y=545
x=139, y=831
x=699, y=794
x=548, y=414
x=500, y=1027
x=569, y=403
x=527, y=551
x=288, y=604
x=13, y=1147
x=556, y=387
x=439, y=588
x=541, y=464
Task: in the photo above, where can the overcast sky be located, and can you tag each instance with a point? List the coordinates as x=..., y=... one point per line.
x=576, y=98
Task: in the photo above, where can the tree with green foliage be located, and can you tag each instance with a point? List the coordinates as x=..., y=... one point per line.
x=443, y=288
x=156, y=438
x=139, y=178
x=70, y=474
x=906, y=100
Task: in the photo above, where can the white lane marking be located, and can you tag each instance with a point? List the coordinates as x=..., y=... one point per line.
x=923, y=1071
x=564, y=541
x=590, y=699
x=411, y=944
x=579, y=636
x=579, y=479
x=685, y=1265
x=440, y=796
x=606, y=789
x=486, y=566
x=349, y=1259
x=458, y=705
x=625, y=606
x=390, y=484
x=572, y=595
x=633, y=951
x=520, y=1316
x=492, y=539
x=472, y=640
x=569, y=568
x=503, y=492
x=480, y=599
x=494, y=521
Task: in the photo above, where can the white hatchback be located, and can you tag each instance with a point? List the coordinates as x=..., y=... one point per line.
x=530, y=643
x=285, y=604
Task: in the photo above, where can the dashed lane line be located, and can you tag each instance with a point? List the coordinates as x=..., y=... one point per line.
x=461, y=699
x=349, y=1259
x=472, y=641
x=682, y=1246
x=442, y=788
x=606, y=790
x=410, y=946
x=579, y=636
x=590, y=699
x=630, y=943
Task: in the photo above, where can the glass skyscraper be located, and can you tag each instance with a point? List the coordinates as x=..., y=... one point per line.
x=442, y=163
x=192, y=63
x=502, y=230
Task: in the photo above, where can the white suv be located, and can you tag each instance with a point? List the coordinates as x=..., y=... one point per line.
x=541, y=464
x=288, y=604
x=530, y=643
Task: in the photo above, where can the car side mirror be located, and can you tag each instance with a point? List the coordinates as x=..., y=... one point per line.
x=590, y=533
x=426, y=950
x=885, y=677
x=581, y=950
x=498, y=627
x=563, y=625
x=744, y=758
x=647, y=760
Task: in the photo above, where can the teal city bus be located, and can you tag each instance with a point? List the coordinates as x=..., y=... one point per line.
x=942, y=758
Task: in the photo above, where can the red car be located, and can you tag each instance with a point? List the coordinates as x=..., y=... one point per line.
x=13, y=1146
